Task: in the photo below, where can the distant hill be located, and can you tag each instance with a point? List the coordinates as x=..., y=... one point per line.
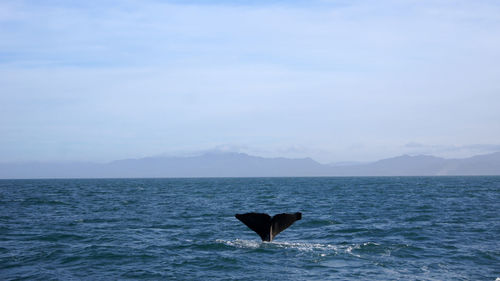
x=217, y=164
x=222, y=164
x=423, y=165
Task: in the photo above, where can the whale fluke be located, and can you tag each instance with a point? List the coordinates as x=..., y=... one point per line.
x=266, y=226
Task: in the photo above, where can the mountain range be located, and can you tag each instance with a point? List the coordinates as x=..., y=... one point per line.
x=229, y=164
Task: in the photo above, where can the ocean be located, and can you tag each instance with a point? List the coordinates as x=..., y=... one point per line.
x=361, y=228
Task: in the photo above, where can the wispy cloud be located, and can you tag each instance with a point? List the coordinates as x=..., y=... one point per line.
x=118, y=79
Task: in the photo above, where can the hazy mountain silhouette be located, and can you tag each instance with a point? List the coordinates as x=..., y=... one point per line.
x=227, y=164
x=424, y=165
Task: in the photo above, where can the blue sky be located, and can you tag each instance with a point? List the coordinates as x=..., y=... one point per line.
x=331, y=80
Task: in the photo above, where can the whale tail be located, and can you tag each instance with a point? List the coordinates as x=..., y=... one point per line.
x=266, y=226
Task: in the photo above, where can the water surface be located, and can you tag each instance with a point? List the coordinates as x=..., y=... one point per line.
x=394, y=228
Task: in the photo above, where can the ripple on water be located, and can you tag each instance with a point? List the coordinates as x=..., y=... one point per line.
x=352, y=229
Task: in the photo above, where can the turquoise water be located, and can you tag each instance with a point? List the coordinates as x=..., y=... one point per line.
x=395, y=228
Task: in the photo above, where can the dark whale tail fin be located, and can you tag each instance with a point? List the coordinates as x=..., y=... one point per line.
x=268, y=227
x=281, y=222
x=257, y=222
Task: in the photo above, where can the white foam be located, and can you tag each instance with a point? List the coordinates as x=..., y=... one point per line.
x=253, y=244
x=322, y=248
x=307, y=247
x=238, y=243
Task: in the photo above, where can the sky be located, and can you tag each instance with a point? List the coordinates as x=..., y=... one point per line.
x=331, y=80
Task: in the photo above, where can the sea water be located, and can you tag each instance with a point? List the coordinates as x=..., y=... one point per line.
x=383, y=228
